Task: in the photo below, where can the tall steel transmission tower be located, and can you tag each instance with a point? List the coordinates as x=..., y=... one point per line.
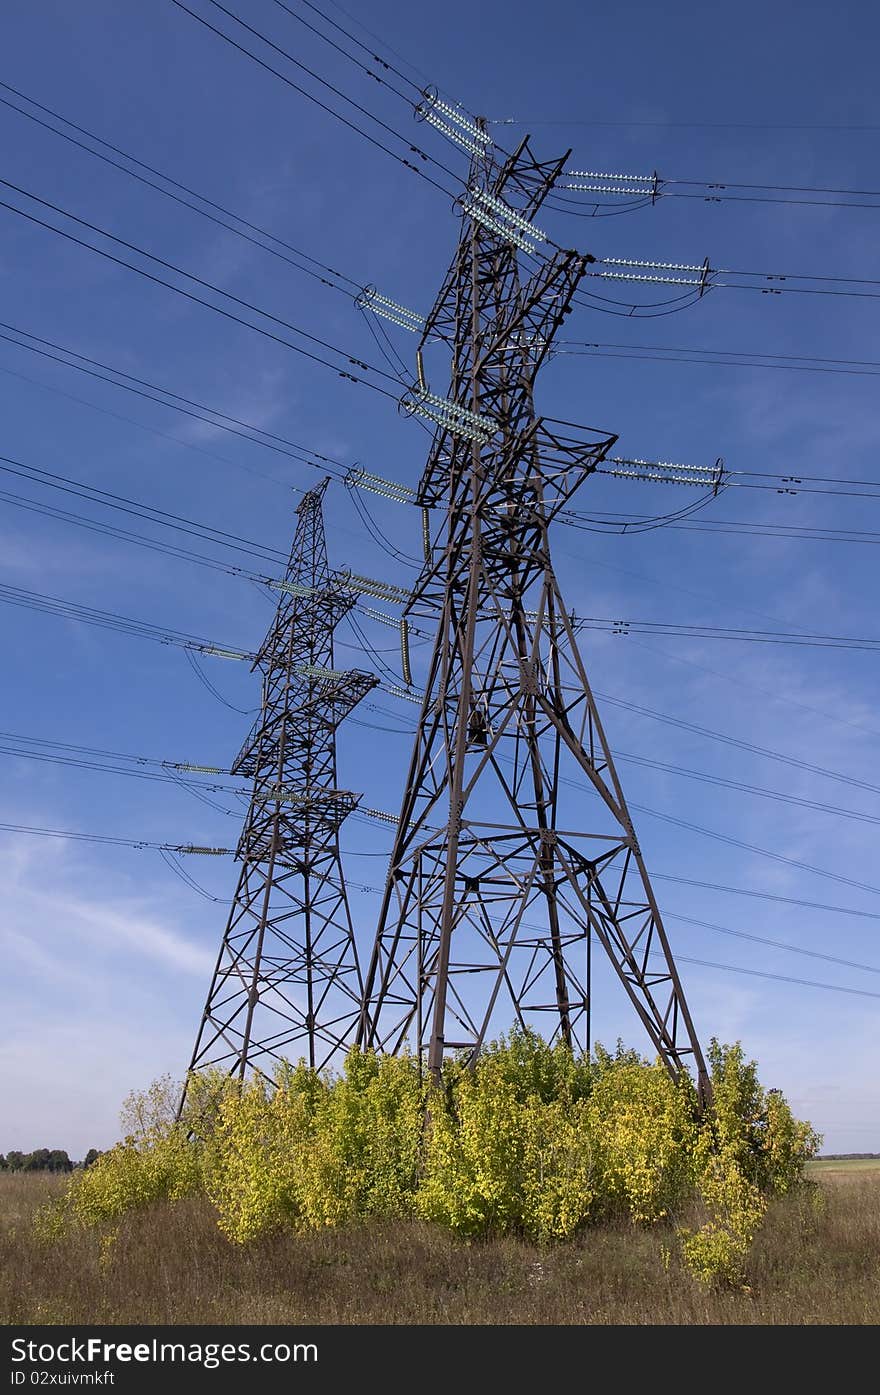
x=514, y=850
x=287, y=982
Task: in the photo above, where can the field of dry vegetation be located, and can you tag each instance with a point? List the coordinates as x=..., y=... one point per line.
x=816, y=1260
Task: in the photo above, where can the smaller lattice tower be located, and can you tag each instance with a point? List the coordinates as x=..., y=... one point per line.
x=287, y=984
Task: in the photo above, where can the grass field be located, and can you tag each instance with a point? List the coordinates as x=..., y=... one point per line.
x=816, y=1260
x=842, y=1167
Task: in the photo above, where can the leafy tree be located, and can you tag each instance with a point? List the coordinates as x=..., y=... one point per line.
x=37, y=1161
x=40, y=1160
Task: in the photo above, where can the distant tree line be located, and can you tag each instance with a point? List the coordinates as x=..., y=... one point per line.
x=846, y=1157
x=44, y=1160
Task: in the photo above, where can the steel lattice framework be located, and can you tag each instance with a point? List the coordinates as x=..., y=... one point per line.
x=287, y=983
x=514, y=849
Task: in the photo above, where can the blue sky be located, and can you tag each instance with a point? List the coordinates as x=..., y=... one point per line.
x=107, y=954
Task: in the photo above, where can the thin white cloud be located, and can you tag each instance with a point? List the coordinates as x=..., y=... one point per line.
x=46, y=910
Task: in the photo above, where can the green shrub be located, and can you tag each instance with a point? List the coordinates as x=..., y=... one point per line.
x=475, y=1153
x=644, y=1129
x=257, y=1150
x=529, y=1141
x=156, y=1161
x=366, y=1144
x=750, y=1146
x=309, y=1152
x=717, y=1252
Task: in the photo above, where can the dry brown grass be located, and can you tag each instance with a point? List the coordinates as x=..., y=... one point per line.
x=814, y=1262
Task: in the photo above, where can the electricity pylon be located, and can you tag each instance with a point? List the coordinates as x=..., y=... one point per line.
x=514, y=849
x=287, y=983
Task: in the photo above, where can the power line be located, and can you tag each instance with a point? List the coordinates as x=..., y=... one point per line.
x=111, y=615
x=703, y=596
x=625, y=523
x=94, y=760
x=698, y=280
x=370, y=650
x=739, y=934
x=327, y=275
x=724, y=738
x=224, y=422
x=556, y=202
x=796, y=290
x=779, y=978
x=758, y=973
x=676, y=472
x=106, y=619
x=337, y=92
x=789, y=479
x=121, y=503
x=770, y=277
x=184, y=848
x=364, y=67
x=124, y=535
x=645, y=200
x=659, y=627
x=187, y=848
x=58, y=606
x=145, y=630
x=115, y=840
x=179, y=441
x=731, y=358
x=172, y=862
x=728, y=838
x=738, y=743
x=800, y=276
x=689, y=125
x=753, y=848
x=305, y=455
x=590, y=300
x=723, y=783
x=727, y=679
x=88, y=757
x=182, y=553
x=192, y=660
x=352, y=125
x=716, y=189
x=774, y=944
x=737, y=842
x=193, y=645
x=641, y=190
x=660, y=184
x=199, y=300
x=378, y=535
x=80, y=749
x=767, y=896
x=378, y=39
x=97, y=761
x=189, y=526
x=323, y=268
x=619, y=627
